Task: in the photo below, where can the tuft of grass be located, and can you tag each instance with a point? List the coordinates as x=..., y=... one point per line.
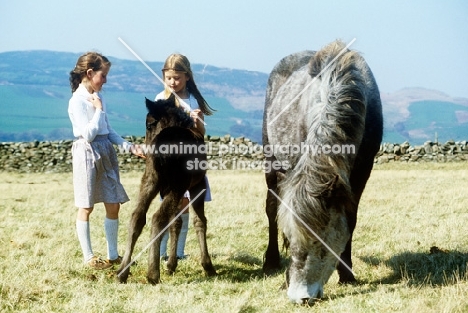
x=410, y=249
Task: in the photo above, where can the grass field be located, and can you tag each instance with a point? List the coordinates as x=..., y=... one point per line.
x=405, y=210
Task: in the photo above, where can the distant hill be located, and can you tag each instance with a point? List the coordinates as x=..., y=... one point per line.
x=34, y=93
x=419, y=114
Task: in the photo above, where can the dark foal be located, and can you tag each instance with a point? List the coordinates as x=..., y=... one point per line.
x=171, y=145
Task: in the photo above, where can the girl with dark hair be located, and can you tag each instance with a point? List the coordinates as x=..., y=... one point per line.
x=95, y=165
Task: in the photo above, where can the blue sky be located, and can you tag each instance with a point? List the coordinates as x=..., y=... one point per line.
x=419, y=43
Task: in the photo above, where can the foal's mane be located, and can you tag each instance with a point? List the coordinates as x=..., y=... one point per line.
x=336, y=117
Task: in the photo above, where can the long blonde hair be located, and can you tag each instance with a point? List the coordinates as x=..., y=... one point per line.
x=180, y=63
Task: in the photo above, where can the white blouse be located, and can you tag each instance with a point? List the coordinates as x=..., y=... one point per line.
x=87, y=121
x=189, y=104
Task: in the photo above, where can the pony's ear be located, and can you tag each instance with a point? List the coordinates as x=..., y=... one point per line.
x=333, y=184
x=280, y=176
x=336, y=187
x=149, y=103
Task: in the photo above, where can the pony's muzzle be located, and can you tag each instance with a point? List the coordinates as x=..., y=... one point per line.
x=305, y=294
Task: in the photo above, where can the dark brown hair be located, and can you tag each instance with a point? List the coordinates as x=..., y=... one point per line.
x=89, y=60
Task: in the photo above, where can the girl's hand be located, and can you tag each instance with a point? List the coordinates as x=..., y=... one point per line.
x=136, y=150
x=196, y=114
x=199, y=124
x=96, y=101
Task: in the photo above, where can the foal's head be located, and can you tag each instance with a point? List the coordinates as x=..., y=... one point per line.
x=163, y=114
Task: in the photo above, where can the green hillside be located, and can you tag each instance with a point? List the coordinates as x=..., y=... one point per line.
x=40, y=113
x=34, y=94
x=431, y=120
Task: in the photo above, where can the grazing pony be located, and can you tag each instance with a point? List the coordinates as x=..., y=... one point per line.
x=323, y=123
x=171, y=147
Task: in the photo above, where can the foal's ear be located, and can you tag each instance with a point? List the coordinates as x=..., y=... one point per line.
x=150, y=121
x=149, y=103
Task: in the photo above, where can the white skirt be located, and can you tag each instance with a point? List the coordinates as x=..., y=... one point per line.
x=96, y=173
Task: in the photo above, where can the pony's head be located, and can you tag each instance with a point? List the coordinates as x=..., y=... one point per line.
x=312, y=217
x=163, y=114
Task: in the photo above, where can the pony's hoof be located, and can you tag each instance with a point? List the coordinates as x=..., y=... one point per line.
x=347, y=280
x=271, y=269
x=271, y=263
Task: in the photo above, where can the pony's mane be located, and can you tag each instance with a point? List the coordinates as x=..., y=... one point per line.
x=336, y=117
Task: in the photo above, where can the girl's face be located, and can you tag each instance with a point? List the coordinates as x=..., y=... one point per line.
x=97, y=78
x=177, y=81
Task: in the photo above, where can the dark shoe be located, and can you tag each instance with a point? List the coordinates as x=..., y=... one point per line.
x=165, y=258
x=185, y=256
x=98, y=263
x=117, y=261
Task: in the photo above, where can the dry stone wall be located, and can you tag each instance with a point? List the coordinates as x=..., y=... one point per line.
x=223, y=152
x=450, y=151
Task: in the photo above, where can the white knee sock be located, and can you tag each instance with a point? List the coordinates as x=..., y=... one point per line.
x=82, y=230
x=163, y=247
x=183, y=235
x=111, y=227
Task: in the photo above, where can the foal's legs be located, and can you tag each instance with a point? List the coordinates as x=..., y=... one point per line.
x=149, y=188
x=160, y=220
x=200, y=224
x=174, y=230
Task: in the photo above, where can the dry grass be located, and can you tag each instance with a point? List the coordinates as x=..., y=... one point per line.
x=405, y=210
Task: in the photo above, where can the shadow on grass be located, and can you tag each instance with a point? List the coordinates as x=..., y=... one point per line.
x=437, y=267
x=241, y=267
x=245, y=267
x=434, y=268
x=234, y=274
x=238, y=268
